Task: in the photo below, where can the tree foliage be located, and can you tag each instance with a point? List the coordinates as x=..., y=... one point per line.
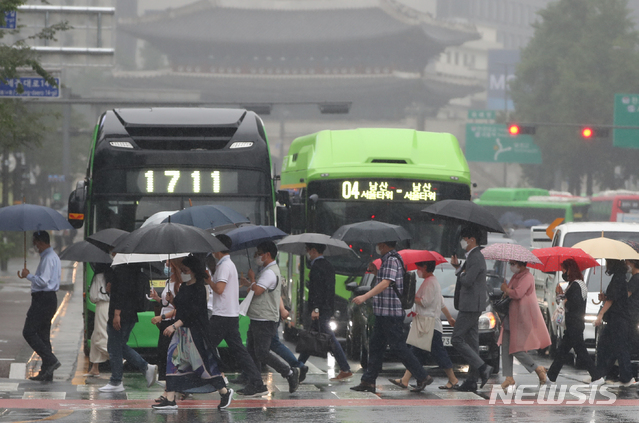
x=581, y=54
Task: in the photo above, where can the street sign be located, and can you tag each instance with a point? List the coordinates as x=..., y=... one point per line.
x=33, y=87
x=492, y=143
x=482, y=115
x=626, y=113
x=9, y=20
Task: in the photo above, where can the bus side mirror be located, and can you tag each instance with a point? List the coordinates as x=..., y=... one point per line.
x=77, y=205
x=284, y=218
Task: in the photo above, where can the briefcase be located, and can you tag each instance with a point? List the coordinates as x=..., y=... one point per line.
x=313, y=342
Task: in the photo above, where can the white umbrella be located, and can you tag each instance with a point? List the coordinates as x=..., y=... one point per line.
x=144, y=258
x=157, y=218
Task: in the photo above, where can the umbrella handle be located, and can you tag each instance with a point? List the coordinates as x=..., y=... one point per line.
x=25, y=250
x=596, y=302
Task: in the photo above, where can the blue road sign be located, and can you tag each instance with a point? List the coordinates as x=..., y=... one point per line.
x=33, y=87
x=9, y=20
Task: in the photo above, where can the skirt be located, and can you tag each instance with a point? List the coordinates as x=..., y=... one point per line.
x=190, y=364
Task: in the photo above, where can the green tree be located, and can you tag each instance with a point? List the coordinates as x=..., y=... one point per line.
x=581, y=54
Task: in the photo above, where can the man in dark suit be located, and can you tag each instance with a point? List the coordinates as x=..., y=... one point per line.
x=321, y=300
x=470, y=299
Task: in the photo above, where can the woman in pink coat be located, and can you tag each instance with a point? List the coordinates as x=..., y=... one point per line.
x=523, y=329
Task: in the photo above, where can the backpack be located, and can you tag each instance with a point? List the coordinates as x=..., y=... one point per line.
x=407, y=296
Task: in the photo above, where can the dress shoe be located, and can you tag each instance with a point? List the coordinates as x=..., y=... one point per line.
x=43, y=376
x=342, y=376
x=484, y=372
x=364, y=387
x=541, y=374
x=467, y=387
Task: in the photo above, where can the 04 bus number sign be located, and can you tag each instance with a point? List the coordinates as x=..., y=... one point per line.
x=388, y=190
x=186, y=181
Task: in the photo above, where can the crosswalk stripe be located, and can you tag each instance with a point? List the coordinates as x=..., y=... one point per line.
x=18, y=371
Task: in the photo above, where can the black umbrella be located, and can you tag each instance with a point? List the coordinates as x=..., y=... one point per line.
x=251, y=236
x=207, y=216
x=30, y=217
x=85, y=252
x=168, y=238
x=465, y=211
x=372, y=232
x=106, y=238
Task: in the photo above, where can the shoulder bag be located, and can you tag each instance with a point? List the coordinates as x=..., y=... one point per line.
x=314, y=342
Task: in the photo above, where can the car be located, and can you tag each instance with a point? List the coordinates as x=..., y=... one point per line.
x=361, y=317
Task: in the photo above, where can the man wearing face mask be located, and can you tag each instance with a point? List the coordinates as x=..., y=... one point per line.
x=321, y=299
x=470, y=300
x=389, y=321
x=224, y=322
x=264, y=313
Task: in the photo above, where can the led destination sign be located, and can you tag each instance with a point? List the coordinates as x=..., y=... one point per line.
x=182, y=181
x=378, y=190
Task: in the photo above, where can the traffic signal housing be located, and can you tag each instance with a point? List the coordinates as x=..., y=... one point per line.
x=589, y=132
x=517, y=129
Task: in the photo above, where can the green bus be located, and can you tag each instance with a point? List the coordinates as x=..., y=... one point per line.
x=143, y=161
x=333, y=178
x=525, y=207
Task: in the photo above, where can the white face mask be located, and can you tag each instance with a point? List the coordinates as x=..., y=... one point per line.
x=377, y=250
x=258, y=261
x=308, y=257
x=420, y=274
x=463, y=243
x=514, y=268
x=186, y=277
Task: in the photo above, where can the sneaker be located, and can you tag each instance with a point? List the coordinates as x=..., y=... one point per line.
x=631, y=382
x=303, y=371
x=364, y=387
x=597, y=382
x=587, y=379
x=151, y=374
x=165, y=405
x=253, y=391
x=342, y=376
x=293, y=380
x=112, y=388
x=225, y=399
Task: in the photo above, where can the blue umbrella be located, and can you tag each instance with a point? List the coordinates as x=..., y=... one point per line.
x=251, y=236
x=207, y=216
x=30, y=217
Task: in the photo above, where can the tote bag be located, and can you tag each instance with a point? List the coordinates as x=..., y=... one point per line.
x=421, y=332
x=97, y=291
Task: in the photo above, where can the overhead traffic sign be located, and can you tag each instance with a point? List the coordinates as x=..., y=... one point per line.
x=491, y=143
x=626, y=113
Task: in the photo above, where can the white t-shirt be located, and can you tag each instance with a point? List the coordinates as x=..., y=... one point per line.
x=432, y=301
x=227, y=304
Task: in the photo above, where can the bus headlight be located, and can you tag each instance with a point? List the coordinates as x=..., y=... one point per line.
x=332, y=325
x=487, y=321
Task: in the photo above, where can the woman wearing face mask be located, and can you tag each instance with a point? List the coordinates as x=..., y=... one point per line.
x=192, y=361
x=523, y=329
x=167, y=315
x=574, y=300
x=613, y=341
x=429, y=304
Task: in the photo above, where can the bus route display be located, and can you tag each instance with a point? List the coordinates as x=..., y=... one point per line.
x=380, y=190
x=182, y=181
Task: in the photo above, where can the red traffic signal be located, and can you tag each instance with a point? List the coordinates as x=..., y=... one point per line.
x=517, y=129
x=588, y=132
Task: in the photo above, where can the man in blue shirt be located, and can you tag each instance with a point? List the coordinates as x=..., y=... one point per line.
x=44, y=303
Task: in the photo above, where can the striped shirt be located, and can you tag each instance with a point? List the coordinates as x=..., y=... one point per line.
x=386, y=303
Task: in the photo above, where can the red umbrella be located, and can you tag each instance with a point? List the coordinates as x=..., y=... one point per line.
x=411, y=257
x=552, y=258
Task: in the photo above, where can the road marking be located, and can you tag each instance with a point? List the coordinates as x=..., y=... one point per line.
x=18, y=371
x=44, y=395
x=8, y=386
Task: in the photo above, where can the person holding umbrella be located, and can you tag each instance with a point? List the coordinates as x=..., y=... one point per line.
x=613, y=341
x=44, y=285
x=574, y=300
x=389, y=318
x=321, y=299
x=470, y=301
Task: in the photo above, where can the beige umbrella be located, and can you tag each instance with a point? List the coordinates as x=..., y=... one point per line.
x=606, y=248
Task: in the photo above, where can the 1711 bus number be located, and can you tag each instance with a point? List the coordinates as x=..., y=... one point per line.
x=173, y=177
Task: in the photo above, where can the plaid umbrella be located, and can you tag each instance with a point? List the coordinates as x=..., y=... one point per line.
x=505, y=252
x=552, y=257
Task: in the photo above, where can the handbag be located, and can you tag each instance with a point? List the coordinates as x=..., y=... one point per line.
x=503, y=305
x=314, y=342
x=421, y=332
x=246, y=303
x=559, y=316
x=97, y=290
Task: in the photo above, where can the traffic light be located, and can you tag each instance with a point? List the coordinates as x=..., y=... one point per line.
x=588, y=132
x=517, y=129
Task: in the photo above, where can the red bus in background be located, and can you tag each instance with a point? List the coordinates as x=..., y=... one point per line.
x=614, y=206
